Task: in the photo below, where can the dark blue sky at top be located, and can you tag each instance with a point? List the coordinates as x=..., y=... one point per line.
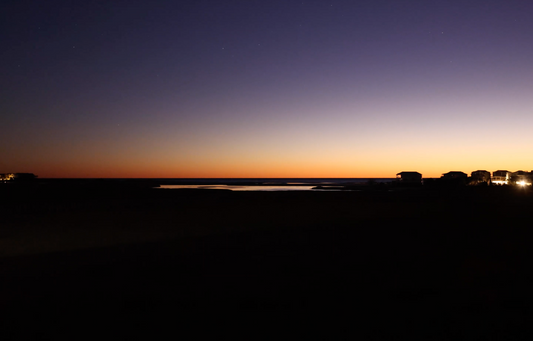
x=73, y=69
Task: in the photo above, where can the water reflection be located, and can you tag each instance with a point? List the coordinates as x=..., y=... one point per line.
x=240, y=188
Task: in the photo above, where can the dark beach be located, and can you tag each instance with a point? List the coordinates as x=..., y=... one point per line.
x=443, y=262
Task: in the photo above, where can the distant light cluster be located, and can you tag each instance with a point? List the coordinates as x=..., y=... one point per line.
x=7, y=177
x=479, y=177
x=16, y=177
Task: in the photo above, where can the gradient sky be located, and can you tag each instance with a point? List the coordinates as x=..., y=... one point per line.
x=265, y=88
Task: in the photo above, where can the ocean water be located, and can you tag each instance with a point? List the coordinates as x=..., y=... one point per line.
x=265, y=184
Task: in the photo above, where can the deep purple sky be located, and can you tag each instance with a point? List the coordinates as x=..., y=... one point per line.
x=265, y=88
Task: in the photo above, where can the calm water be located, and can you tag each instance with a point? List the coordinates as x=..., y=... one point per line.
x=264, y=184
x=241, y=188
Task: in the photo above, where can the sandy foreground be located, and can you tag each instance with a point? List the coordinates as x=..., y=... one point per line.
x=461, y=255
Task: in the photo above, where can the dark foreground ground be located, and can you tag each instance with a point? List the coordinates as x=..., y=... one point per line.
x=438, y=264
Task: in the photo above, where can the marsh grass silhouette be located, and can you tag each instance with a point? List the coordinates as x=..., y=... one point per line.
x=417, y=251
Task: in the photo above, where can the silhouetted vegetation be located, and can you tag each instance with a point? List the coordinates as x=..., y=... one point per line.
x=424, y=249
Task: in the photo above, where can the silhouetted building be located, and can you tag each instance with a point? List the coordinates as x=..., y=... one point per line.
x=501, y=177
x=454, y=175
x=454, y=179
x=521, y=178
x=409, y=177
x=480, y=177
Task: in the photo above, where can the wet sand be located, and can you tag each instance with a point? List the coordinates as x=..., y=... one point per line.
x=437, y=260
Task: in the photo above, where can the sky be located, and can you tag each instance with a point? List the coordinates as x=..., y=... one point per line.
x=172, y=89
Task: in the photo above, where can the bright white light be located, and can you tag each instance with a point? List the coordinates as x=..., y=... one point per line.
x=499, y=182
x=521, y=183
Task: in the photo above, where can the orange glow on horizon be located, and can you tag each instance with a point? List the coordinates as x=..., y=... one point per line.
x=250, y=173
x=261, y=159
